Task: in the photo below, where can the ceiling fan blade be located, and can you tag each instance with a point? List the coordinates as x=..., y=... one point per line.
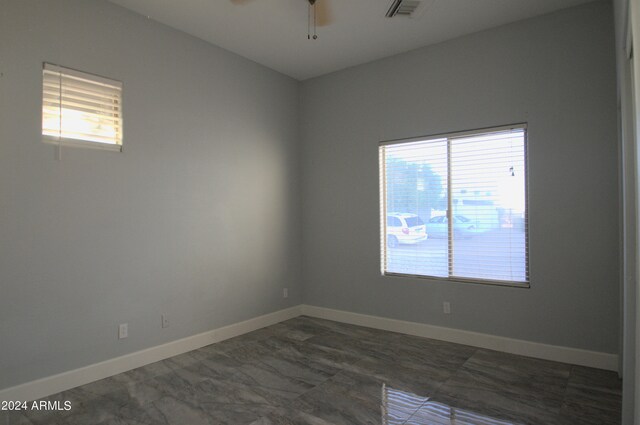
x=324, y=15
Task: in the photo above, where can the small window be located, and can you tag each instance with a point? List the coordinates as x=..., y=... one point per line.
x=470, y=189
x=80, y=109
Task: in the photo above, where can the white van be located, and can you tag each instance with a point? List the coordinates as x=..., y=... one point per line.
x=405, y=228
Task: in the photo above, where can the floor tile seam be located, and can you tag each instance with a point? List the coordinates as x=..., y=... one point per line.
x=428, y=399
x=594, y=406
x=307, y=391
x=327, y=378
x=549, y=402
x=526, y=380
x=565, y=389
x=507, y=368
x=332, y=350
x=452, y=375
x=600, y=390
x=591, y=406
x=435, y=393
x=288, y=347
x=553, y=410
x=511, y=415
x=518, y=386
x=475, y=351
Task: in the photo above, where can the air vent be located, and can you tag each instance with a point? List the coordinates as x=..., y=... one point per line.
x=403, y=8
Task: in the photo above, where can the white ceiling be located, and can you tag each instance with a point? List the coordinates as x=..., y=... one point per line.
x=274, y=32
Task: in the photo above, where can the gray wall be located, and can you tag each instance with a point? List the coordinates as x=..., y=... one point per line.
x=555, y=72
x=198, y=218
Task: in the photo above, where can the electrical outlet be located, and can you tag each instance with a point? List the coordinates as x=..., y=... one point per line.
x=285, y=292
x=165, y=321
x=446, y=307
x=123, y=330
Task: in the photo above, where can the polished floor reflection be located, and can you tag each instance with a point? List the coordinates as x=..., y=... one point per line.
x=309, y=371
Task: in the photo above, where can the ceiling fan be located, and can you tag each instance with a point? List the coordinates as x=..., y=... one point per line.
x=318, y=14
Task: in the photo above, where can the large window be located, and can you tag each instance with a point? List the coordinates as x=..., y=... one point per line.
x=80, y=109
x=455, y=206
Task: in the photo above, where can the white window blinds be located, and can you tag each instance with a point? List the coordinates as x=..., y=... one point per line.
x=81, y=109
x=469, y=190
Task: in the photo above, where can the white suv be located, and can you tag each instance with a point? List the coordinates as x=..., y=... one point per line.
x=404, y=228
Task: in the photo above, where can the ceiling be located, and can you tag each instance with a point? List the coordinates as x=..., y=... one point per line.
x=274, y=32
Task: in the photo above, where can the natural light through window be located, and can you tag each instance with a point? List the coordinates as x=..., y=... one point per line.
x=403, y=407
x=455, y=206
x=81, y=109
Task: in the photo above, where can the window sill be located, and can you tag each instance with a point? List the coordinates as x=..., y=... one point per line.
x=462, y=280
x=76, y=143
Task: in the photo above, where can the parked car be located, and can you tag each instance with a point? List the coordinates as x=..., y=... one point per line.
x=405, y=228
x=462, y=226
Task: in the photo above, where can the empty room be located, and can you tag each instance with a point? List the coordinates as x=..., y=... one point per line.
x=317, y=212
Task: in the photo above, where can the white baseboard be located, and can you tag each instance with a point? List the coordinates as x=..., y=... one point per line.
x=508, y=345
x=61, y=382
x=54, y=384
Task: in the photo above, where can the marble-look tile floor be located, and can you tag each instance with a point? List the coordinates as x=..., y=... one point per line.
x=308, y=371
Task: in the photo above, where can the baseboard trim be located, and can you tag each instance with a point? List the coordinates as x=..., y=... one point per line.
x=63, y=381
x=515, y=346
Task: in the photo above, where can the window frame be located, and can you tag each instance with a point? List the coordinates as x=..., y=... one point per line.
x=451, y=135
x=77, y=142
